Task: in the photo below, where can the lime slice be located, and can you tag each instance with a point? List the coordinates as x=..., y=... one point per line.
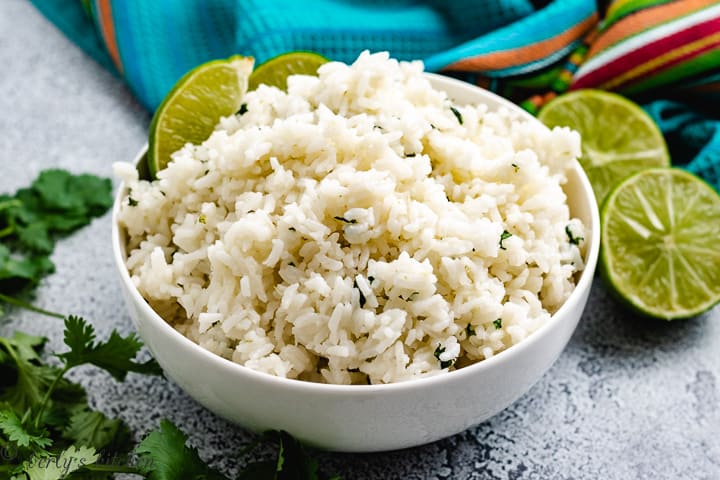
x=194, y=106
x=658, y=237
x=275, y=71
x=618, y=137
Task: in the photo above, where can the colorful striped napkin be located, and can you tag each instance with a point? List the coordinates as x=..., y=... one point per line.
x=664, y=53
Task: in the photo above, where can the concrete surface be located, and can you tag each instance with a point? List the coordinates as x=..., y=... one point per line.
x=628, y=399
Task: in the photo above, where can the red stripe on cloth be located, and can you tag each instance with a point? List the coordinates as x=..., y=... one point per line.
x=108, y=31
x=642, y=55
x=646, y=19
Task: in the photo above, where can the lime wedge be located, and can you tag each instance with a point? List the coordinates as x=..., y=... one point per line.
x=275, y=71
x=618, y=137
x=658, y=237
x=194, y=106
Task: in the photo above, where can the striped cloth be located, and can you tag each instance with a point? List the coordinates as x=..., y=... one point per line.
x=526, y=50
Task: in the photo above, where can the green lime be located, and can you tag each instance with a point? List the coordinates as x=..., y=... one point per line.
x=658, y=237
x=194, y=106
x=618, y=137
x=275, y=71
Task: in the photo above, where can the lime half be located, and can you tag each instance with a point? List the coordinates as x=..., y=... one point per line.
x=658, y=237
x=618, y=137
x=275, y=71
x=194, y=106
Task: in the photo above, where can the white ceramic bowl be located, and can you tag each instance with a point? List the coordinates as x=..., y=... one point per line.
x=365, y=418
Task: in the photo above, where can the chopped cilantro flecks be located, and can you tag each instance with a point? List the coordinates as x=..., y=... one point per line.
x=572, y=238
x=497, y=323
x=504, y=236
x=443, y=363
x=457, y=115
x=516, y=167
x=132, y=202
x=410, y=297
x=343, y=219
x=470, y=330
x=202, y=219
x=243, y=109
x=362, y=300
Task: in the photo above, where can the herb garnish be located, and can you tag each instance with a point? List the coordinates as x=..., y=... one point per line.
x=516, y=167
x=443, y=363
x=132, y=202
x=457, y=115
x=497, y=323
x=504, y=236
x=572, y=238
x=470, y=330
x=55, y=204
x=362, y=297
x=243, y=109
x=343, y=219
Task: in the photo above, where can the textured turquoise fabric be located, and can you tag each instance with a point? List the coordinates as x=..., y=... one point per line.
x=159, y=40
x=341, y=29
x=693, y=138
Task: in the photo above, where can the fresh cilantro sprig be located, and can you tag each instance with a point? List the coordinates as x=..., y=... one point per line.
x=56, y=204
x=45, y=418
x=114, y=355
x=46, y=421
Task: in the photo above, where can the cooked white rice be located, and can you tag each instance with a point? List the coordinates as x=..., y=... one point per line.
x=355, y=230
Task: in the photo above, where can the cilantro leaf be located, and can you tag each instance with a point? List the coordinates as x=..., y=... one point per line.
x=114, y=355
x=94, y=429
x=22, y=435
x=163, y=455
x=81, y=195
x=27, y=347
x=292, y=462
x=24, y=267
x=55, y=467
x=24, y=379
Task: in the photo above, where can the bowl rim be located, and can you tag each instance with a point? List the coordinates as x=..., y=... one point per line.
x=583, y=284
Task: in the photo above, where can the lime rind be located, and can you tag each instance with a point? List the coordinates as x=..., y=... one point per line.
x=274, y=72
x=662, y=267
x=195, y=104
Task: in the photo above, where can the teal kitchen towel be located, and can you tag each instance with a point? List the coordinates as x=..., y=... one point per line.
x=523, y=49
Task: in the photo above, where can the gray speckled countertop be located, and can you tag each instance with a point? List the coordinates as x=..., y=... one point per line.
x=628, y=399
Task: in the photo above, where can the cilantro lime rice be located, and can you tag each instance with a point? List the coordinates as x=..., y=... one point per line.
x=360, y=228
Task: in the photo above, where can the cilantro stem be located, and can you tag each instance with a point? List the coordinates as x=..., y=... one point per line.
x=27, y=306
x=13, y=202
x=7, y=231
x=49, y=392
